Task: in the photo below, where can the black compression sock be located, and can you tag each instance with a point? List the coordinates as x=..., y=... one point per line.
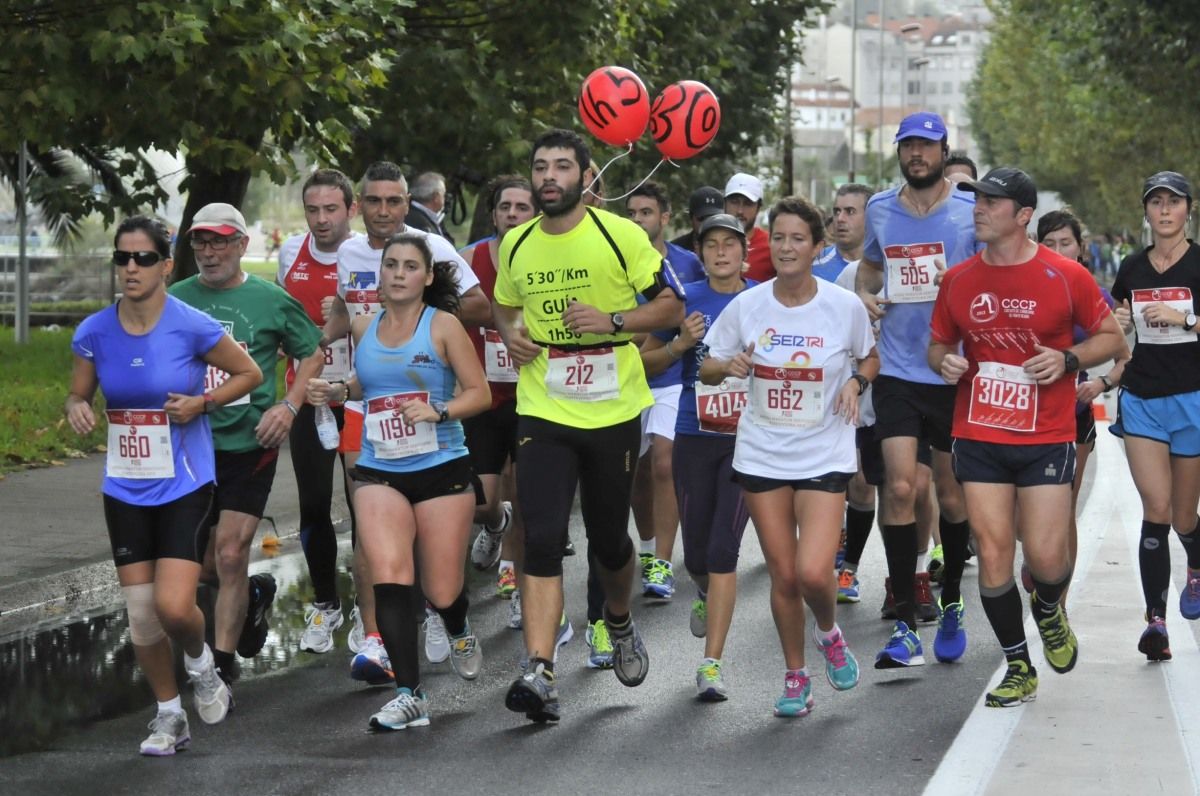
x=1191, y=545
x=1154, y=560
x=858, y=530
x=900, y=544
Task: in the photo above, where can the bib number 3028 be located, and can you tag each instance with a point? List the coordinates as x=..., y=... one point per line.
x=1003, y=396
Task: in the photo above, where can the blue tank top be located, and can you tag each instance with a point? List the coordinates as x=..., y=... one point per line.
x=137, y=371
x=412, y=367
x=703, y=299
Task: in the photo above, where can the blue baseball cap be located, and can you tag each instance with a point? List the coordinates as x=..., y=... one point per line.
x=924, y=124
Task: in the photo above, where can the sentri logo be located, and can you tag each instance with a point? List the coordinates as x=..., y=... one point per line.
x=769, y=339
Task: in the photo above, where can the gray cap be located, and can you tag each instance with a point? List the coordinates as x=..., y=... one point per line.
x=221, y=218
x=1173, y=181
x=722, y=221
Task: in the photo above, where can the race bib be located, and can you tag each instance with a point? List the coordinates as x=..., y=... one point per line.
x=337, y=361
x=362, y=302
x=718, y=408
x=496, y=363
x=911, y=272
x=139, y=444
x=214, y=377
x=390, y=435
x=787, y=396
x=1003, y=396
x=582, y=375
x=1177, y=298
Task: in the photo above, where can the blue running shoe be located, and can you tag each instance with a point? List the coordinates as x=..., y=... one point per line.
x=951, y=640
x=841, y=667
x=600, y=648
x=797, y=697
x=903, y=649
x=659, y=580
x=847, y=587
x=372, y=665
x=1189, y=598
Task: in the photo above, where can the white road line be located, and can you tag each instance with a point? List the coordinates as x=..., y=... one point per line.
x=969, y=763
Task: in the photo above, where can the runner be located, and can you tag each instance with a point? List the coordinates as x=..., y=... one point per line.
x=743, y=201
x=849, y=231
x=414, y=497
x=705, y=201
x=565, y=307
x=247, y=433
x=1014, y=307
x=711, y=507
x=797, y=339
x=1160, y=399
x=383, y=203
x=914, y=232
x=148, y=352
x=308, y=271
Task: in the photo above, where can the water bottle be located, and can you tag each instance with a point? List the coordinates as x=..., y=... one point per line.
x=327, y=429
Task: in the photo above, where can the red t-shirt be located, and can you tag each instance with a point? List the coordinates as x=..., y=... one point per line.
x=485, y=268
x=308, y=280
x=999, y=313
x=759, y=256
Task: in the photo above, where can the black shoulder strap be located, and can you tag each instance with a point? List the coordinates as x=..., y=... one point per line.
x=607, y=237
x=512, y=254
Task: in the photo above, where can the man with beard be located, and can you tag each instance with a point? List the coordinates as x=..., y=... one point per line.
x=849, y=229
x=565, y=305
x=913, y=233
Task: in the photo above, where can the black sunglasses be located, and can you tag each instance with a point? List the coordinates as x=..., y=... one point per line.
x=142, y=259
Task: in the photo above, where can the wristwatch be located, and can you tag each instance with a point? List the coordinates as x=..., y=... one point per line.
x=1071, y=361
x=1189, y=321
x=442, y=410
x=1107, y=382
x=863, y=382
x=618, y=322
x=210, y=403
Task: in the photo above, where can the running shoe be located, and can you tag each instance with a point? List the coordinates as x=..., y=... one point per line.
x=951, y=640
x=797, y=697
x=437, y=643
x=631, y=661
x=514, y=610
x=1189, y=598
x=534, y=694
x=888, y=611
x=466, y=658
x=1019, y=685
x=839, y=558
x=1058, y=641
x=406, y=709
x=926, y=607
x=710, y=686
x=1154, y=643
x=698, y=622
x=321, y=620
x=565, y=633
x=903, y=649
x=645, y=561
x=357, y=636
x=372, y=665
x=168, y=734
x=841, y=667
x=847, y=587
x=214, y=697
x=936, y=565
x=485, y=552
x=506, y=582
x=600, y=648
x=254, y=629
x=660, y=580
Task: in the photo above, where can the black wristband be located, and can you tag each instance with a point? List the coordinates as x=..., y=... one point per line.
x=863, y=382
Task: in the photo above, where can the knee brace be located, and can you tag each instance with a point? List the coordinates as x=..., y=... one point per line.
x=144, y=627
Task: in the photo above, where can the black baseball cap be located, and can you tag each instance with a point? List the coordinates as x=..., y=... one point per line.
x=1173, y=181
x=1007, y=183
x=705, y=202
x=722, y=221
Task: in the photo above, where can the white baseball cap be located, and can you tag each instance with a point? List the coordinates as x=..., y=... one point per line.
x=747, y=185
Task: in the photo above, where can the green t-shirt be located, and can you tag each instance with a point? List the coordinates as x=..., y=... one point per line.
x=262, y=318
x=545, y=273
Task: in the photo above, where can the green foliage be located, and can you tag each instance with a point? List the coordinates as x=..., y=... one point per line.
x=1074, y=92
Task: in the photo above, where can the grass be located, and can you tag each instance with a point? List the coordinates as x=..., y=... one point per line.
x=33, y=431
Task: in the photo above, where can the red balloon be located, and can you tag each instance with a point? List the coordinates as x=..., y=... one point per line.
x=684, y=119
x=614, y=105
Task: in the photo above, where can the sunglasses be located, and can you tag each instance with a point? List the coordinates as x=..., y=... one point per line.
x=142, y=259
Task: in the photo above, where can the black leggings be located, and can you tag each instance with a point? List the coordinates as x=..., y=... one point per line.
x=551, y=459
x=712, y=509
x=314, y=470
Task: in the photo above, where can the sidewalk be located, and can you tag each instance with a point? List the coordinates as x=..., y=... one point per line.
x=56, y=553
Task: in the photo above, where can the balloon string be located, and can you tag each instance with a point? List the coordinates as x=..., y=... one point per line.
x=643, y=182
x=596, y=179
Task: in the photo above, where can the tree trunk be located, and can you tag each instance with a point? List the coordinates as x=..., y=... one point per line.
x=206, y=186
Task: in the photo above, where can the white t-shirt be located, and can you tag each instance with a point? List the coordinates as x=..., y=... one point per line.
x=358, y=270
x=866, y=401
x=818, y=343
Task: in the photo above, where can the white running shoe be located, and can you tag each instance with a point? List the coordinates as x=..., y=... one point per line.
x=485, y=552
x=405, y=710
x=322, y=620
x=356, y=639
x=214, y=698
x=514, y=611
x=168, y=734
x=437, y=643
